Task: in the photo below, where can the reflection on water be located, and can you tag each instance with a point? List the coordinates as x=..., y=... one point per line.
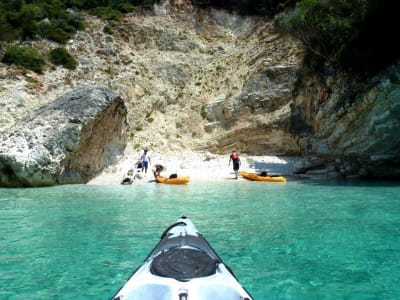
x=297, y=240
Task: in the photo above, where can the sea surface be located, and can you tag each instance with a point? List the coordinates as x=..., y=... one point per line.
x=294, y=240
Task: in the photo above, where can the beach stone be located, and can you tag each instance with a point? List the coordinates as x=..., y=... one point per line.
x=209, y=156
x=66, y=141
x=307, y=164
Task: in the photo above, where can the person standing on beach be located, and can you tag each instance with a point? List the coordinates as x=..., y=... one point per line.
x=236, y=162
x=145, y=161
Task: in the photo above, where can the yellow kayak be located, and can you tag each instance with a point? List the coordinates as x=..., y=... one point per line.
x=257, y=177
x=177, y=180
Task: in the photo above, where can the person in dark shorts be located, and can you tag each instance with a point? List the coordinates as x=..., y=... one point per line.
x=236, y=162
x=145, y=158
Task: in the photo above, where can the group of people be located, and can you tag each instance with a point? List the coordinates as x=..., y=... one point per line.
x=145, y=162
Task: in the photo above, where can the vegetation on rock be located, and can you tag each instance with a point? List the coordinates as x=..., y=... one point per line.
x=352, y=35
x=250, y=7
x=60, y=56
x=57, y=20
x=26, y=57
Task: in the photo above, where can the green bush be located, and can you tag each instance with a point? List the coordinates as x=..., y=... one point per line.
x=107, y=13
x=126, y=7
x=7, y=32
x=322, y=26
x=54, y=33
x=26, y=57
x=60, y=56
x=250, y=7
x=28, y=19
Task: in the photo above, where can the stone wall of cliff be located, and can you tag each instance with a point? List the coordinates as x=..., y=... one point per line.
x=195, y=79
x=355, y=125
x=69, y=140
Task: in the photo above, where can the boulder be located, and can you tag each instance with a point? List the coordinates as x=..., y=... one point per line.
x=67, y=141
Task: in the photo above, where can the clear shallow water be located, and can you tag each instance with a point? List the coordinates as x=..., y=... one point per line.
x=298, y=240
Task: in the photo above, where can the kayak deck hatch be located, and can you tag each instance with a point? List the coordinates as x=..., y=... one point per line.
x=182, y=266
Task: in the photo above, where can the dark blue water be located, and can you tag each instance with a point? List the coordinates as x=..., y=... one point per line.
x=298, y=240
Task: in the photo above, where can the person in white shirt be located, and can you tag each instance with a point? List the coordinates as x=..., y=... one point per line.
x=145, y=161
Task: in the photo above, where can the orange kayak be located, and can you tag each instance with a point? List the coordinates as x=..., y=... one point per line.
x=257, y=177
x=177, y=180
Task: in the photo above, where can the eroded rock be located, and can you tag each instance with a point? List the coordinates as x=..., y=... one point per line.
x=66, y=141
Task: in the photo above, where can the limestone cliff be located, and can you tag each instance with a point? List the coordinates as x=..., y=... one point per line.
x=173, y=67
x=195, y=79
x=355, y=125
x=69, y=140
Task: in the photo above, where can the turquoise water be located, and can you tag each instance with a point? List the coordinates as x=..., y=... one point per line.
x=297, y=240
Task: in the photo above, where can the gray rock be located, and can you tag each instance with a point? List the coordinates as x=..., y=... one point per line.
x=66, y=141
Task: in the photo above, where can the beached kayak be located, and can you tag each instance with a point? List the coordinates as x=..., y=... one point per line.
x=258, y=177
x=183, y=266
x=176, y=180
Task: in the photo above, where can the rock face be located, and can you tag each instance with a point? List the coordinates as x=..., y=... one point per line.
x=259, y=118
x=356, y=125
x=66, y=141
x=205, y=79
x=172, y=65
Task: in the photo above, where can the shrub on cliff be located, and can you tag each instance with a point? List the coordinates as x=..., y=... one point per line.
x=353, y=35
x=57, y=20
x=107, y=13
x=26, y=57
x=249, y=7
x=21, y=20
x=60, y=56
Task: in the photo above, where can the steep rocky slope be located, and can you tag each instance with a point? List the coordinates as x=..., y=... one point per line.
x=195, y=79
x=174, y=68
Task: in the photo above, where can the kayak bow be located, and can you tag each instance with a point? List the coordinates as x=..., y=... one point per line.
x=182, y=266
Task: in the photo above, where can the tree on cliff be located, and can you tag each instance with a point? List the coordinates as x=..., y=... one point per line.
x=249, y=7
x=353, y=35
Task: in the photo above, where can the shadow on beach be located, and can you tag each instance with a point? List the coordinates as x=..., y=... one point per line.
x=281, y=165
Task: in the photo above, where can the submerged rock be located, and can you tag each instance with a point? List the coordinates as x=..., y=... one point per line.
x=66, y=141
